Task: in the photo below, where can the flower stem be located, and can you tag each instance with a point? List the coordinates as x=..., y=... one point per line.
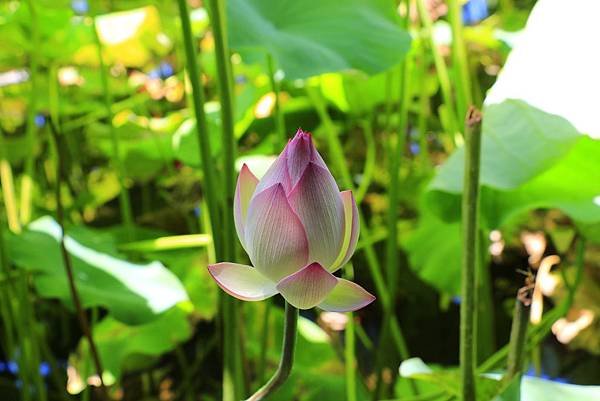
x=470, y=216
x=287, y=355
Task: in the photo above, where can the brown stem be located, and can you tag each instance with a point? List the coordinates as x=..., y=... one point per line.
x=81, y=316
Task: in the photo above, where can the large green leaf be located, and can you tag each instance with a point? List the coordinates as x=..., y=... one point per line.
x=311, y=37
x=134, y=293
x=529, y=159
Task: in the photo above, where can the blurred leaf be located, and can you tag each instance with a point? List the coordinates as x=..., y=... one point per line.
x=440, y=269
x=489, y=387
x=126, y=348
x=131, y=38
x=529, y=159
x=531, y=70
x=133, y=293
x=316, y=36
x=144, y=151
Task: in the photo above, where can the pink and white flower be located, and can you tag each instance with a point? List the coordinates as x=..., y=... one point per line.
x=297, y=229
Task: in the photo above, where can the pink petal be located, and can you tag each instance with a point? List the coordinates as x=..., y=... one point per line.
x=308, y=287
x=351, y=230
x=346, y=297
x=241, y=281
x=318, y=203
x=300, y=152
x=244, y=190
x=275, y=238
x=276, y=174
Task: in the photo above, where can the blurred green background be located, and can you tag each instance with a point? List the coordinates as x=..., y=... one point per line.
x=97, y=118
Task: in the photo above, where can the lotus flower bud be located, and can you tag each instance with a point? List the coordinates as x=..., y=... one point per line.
x=297, y=229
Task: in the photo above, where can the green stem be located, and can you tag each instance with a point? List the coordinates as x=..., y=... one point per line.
x=232, y=350
x=81, y=316
x=27, y=180
x=337, y=156
x=442, y=70
x=264, y=341
x=194, y=73
x=424, y=110
x=349, y=347
x=124, y=200
x=391, y=261
x=485, y=332
x=369, y=168
x=279, y=117
x=518, y=335
x=470, y=220
x=8, y=189
x=287, y=355
x=459, y=58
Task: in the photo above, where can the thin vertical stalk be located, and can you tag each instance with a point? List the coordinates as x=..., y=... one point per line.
x=391, y=256
x=224, y=76
x=232, y=351
x=485, y=333
x=264, y=341
x=518, y=335
x=470, y=222
x=27, y=180
x=287, y=355
x=81, y=316
x=369, y=168
x=396, y=152
x=459, y=58
x=349, y=346
x=337, y=157
x=423, y=111
x=124, y=200
x=442, y=71
x=208, y=167
x=279, y=118
x=8, y=189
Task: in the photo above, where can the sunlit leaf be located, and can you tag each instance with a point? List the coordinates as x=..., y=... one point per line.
x=316, y=36
x=134, y=293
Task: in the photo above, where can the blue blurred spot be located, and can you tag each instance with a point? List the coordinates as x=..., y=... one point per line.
x=13, y=367
x=456, y=300
x=163, y=71
x=474, y=11
x=80, y=6
x=39, y=120
x=2, y=367
x=415, y=148
x=44, y=369
x=166, y=70
x=154, y=74
x=197, y=211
